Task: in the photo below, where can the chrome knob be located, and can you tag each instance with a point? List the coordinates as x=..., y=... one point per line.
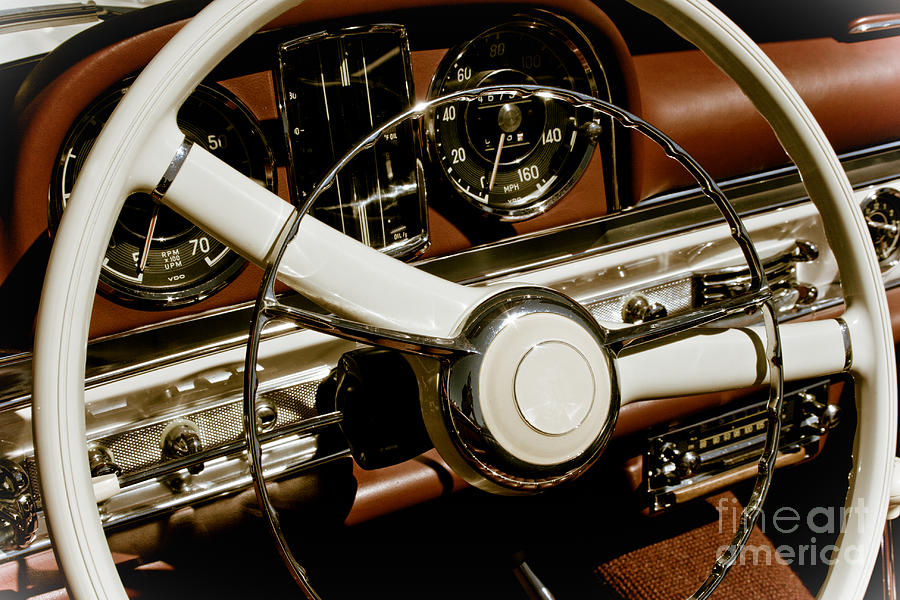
x=689, y=464
x=18, y=514
x=182, y=439
x=821, y=418
x=101, y=461
x=266, y=415
x=805, y=251
x=638, y=309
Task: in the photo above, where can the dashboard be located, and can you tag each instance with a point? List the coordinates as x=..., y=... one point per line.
x=486, y=169
x=434, y=187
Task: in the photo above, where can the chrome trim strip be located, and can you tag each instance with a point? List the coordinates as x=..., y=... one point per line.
x=172, y=171
x=848, y=346
x=857, y=163
x=115, y=519
x=54, y=15
x=890, y=22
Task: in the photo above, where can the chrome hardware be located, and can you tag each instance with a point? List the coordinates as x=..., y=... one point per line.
x=781, y=273
x=881, y=209
x=689, y=463
x=638, y=309
x=807, y=294
x=820, y=418
x=848, y=346
x=593, y=131
x=530, y=582
x=53, y=15
x=678, y=463
x=874, y=24
x=181, y=440
x=266, y=415
x=101, y=461
x=172, y=171
x=888, y=569
x=888, y=227
x=18, y=514
x=805, y=251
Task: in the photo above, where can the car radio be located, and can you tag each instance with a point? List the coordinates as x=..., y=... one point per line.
x=691, y=460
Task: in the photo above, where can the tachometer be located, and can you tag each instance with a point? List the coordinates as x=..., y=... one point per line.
x=156, y=258
x=509, y=155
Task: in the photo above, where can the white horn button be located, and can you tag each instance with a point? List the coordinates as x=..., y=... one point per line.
x=545, y=389
x=554, y=387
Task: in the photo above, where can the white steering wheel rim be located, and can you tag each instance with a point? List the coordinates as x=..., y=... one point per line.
x=148, y=114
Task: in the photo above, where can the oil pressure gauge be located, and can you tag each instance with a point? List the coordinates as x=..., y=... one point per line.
x=156, y=258
x=509, y=155
x=882, y=213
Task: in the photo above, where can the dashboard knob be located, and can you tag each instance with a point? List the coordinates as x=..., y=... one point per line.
x=180, y=440
x=101, y=461
x=689, y=464
x=638, y=309
x=18, y=515
x=266, y=415
x=820, y=418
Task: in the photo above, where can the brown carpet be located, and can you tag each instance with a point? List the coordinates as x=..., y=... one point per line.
x=674, y=568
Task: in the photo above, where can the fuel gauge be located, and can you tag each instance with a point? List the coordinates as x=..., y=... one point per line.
x=334, y=89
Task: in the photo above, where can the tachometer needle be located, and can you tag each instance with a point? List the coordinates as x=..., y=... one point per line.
x=145, y=251
x=496, y=161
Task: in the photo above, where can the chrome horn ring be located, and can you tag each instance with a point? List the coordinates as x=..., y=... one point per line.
x=485, y=415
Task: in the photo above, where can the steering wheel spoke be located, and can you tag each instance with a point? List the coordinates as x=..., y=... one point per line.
x=367, y=334
x=713, y=360
x=333, y=270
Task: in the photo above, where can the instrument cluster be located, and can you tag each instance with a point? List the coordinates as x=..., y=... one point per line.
x=503, y=155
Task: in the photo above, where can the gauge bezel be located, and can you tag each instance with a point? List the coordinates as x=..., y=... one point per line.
x=132, y=294
x=419, y=239
x=893, y=258
x=567, y=35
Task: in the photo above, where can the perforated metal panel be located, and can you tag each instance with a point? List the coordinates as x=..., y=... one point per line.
x=674, y=295
x=140, y=449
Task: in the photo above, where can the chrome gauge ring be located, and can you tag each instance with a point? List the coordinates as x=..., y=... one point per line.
x=155, y=258
x=478, y=397
x=512, y=156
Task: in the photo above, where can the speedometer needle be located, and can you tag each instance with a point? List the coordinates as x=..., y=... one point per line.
x=145, y=251
x=496, y=161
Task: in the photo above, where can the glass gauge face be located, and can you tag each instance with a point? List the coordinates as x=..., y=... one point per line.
x=335, y=88
x=882, y=213
x=509, y=155
x=155, y=257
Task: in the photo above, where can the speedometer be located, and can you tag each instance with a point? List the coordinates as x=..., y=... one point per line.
x=509, y=155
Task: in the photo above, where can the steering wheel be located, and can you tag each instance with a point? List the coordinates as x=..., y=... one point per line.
x=142, y=149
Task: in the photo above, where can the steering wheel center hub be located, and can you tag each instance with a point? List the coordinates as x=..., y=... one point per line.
x=537, y=399
x=554, y=387
x=544, y=387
